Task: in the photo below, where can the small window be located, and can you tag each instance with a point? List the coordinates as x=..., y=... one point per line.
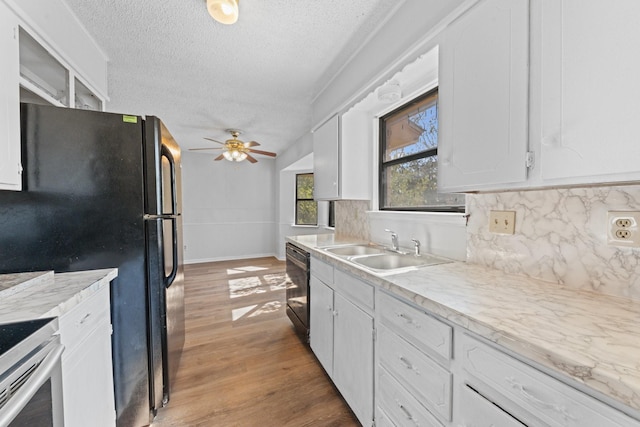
x=306, y=207
x=332, y=214
x=409, y=159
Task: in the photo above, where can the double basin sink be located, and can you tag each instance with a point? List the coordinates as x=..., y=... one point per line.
x=382, y=260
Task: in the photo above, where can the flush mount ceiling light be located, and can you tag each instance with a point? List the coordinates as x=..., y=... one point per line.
x=390, y=92
x=223, y=11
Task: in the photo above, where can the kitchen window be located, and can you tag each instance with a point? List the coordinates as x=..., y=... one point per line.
x=409, y=159
x=306, y=207
x=331, y=221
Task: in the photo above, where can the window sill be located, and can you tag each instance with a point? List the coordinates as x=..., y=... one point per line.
x=456, y=218
x=303, y=226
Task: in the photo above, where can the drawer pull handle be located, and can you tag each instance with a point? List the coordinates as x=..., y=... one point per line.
x=405, y=410
x=408, y=319
x=562, y=410
x=408, y=364
x=84, y=319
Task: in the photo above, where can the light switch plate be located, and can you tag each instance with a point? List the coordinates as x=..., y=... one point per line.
x=502, y=222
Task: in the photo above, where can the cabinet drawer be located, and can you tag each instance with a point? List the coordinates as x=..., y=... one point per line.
x=424, y=378
x=401, y=408
x=84, y=318
x=382, y=420
x=423, y=331
x=356, y=290
x=322, y=270
x=477, y=411
x=554, y=402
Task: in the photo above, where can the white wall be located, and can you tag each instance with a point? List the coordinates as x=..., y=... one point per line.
x=229, y=208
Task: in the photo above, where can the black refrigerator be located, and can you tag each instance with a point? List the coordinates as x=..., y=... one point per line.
x=103, y=190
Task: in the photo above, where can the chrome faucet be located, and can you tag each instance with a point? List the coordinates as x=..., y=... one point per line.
x=416, y=244
x=394, y=240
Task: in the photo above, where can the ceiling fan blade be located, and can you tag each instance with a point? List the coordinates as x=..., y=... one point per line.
x=220, y=157
x=251, y=144
x=208, y=148
x=251, y=159
x=266, y=153
x=214, y=140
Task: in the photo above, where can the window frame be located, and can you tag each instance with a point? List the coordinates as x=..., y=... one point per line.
x=384, y=164
x=295, y=215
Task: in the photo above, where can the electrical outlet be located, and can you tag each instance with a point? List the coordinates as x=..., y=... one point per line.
x=502, y=222
x=623, y=228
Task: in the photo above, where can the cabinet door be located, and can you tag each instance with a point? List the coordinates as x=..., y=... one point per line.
x=321, y=323
x=353, y=357
x=590, y=130
x=87, y=381
x=483, y=97
x=10, y=169
x=326, y=161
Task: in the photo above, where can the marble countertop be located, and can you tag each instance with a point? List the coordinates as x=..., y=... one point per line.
x=53, y=298
x=589, y=337
x=17, y=282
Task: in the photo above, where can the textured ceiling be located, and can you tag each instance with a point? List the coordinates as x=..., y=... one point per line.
x=170, y=59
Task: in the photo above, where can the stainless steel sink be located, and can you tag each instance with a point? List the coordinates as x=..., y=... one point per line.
x=355, y=250
x=391, y=261
x=381, y=260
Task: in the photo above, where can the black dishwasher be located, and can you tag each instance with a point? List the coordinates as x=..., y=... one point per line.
x=298, y=289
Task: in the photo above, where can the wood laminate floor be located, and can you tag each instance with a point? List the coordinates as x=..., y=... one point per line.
x=242, y=363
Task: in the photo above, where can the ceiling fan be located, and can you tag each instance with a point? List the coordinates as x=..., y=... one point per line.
x=236, y=150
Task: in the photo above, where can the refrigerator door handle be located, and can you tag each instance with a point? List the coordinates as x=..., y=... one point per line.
x=166, y=152
x=168, y=280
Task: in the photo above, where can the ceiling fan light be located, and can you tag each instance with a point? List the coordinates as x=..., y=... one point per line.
x=241, y=157
x=227, y=155
x=223, y=11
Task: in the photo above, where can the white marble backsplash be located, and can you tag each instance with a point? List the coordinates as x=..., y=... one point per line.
x=561, y=237
x=352, y=220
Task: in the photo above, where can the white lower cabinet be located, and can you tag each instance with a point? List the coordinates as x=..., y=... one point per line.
x=402, y=408
x=87, y=373
x=477, y=411
x=353, y=357
x=429, y=372
x=341, y=336
x=522, y=392
x=413, y=351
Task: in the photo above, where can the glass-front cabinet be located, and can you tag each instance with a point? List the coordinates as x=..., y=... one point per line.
x=44, y=79
x=38, y=45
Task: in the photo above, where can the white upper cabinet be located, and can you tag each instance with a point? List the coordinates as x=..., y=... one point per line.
x=10, y=166
x=326, y=144
x=342, y=157
x=483, y=97
x=590, y=91
x=47, y=58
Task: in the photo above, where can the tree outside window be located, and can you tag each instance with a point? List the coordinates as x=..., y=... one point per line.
x=306, y=207
x=409, y=159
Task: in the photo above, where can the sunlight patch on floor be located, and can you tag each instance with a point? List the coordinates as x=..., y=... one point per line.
x=246, y=269
x=246, y=286
x=237, y=313
x=253, y=310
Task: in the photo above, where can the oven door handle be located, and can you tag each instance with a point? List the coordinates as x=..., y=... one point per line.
x=22, y=397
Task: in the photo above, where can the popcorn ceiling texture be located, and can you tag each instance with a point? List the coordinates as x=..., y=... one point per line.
x=171, y=59
x=561, y=237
